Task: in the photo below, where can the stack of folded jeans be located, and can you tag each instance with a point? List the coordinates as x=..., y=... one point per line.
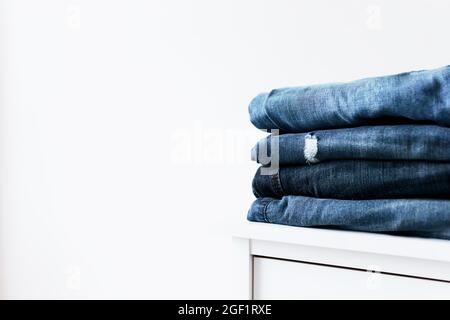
x=371, y=155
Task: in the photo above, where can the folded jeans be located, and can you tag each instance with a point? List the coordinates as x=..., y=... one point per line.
x=413, y=97
x=413, y=217
x=357, y=179
x=400, y=142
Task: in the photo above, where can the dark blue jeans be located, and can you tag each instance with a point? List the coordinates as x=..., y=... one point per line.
x=357, y=179
x=401, y=142
x=411, y=97
x=414, y=217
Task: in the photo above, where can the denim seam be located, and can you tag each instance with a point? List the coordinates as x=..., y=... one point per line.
x=276, y=184
x=264, y=210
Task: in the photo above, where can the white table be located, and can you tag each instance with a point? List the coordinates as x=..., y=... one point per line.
x=282, y=262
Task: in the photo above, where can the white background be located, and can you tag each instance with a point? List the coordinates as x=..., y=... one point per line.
x=125, y=135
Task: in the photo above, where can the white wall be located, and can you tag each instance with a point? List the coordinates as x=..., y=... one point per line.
x=125, y=135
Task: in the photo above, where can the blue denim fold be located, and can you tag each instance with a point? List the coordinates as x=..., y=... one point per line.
x=414, y=217
x=412, y=97
x=357, y=179
x=400, y=142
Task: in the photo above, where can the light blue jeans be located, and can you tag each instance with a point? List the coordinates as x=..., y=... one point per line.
x=414, y=217
x=408, y=97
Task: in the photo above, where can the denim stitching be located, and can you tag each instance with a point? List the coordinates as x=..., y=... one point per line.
x=264, y=210
x=276, y=184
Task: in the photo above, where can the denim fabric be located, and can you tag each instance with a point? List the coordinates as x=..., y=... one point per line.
x=415, y=217
x=357, y=179
x=413, y=96
x=401, y=142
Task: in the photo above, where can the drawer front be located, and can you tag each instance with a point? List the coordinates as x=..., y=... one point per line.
x=281, y=279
